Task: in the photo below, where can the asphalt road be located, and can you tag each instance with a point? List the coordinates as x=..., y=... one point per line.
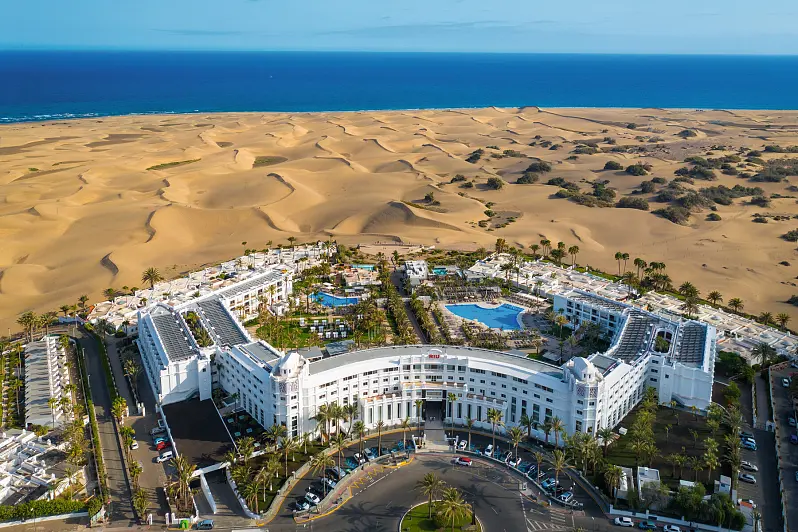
x=121, y=508
x=783, y=407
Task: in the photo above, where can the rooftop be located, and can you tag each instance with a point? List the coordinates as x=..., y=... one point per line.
x=691, y=346
x=223, y=326
x=636, y=336
x=260, y=352
x=246, y=286
x=499, y=357
x=42, y=380
x=173, y=336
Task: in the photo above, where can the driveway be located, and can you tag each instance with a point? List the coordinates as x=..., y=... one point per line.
x=784, y=407
x=121, y=508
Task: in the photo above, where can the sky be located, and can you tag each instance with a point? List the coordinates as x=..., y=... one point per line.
x=541, y=26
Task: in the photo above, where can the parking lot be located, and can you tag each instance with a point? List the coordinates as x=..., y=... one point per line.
x=783, y=408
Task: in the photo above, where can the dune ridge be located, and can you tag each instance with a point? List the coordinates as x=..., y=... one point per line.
x=80, y=212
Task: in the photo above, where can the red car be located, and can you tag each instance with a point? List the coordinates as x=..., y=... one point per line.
x=163, y=445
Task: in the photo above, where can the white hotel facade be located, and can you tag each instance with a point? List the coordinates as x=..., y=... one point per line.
x=288, y=388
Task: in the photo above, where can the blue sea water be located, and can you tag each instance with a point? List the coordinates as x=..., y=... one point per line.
x=46, y=85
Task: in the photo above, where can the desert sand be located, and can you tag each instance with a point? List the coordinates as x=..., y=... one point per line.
x=82, y=208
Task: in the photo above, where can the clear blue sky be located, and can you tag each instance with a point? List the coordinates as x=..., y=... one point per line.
x=611, y=26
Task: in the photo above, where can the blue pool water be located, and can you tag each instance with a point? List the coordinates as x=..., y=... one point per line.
x=335, y=301
x=440, y=271
x=502, y=317
x=369, y=267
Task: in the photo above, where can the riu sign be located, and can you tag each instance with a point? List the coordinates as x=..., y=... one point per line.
x=434, y=356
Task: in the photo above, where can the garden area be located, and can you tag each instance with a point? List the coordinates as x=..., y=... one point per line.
x=418, y=520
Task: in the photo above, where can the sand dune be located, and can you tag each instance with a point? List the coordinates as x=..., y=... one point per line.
x=82, y=209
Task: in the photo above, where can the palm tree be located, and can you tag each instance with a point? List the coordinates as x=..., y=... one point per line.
x=109, y=293
x=82, y=300
x=419, y=403
x=539, y=458
x=246, y=447
x=430, y=486
x=380, y=427
x=619, y=258
x=764, y=352
x=557, y=426
x=249, y=492
x=687, y=289
x=322, y=419
x=62, y=308
x=494, y=417
x=151, y=275
x=547, y=428
x=558, y=464
x=262, y=478
x=452, y=507
x=640, y=264
x=573, y=251
x=135, y=471
x=184, y=471
x=119, y=408
x=288, y=445
x=528, y=424
x=766, y=318
x=359, y=428
x=339, y=442
x=612, y=476
x=710, y=462
x=469, y=426
x=452, y=397
x=52, y=402
x=605, y=434
x=319, y=463
x=715, y=297
x=736, y=304
x=516, y=435
x=782, y=318
x=405, y=424
x=140, y=502
x=625, y=257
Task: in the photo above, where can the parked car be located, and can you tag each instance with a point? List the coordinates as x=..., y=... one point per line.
x=330, y=483
x=336, y=472
x=164, y=456
x=463, y=461
x=157, y=430
x=671, y=528
x=163, y=445
x=134, y=445
x=745, y=477
x=794, y=438
x=488, y=450
x=301, y=505
x=791, y=421
x=514, y=461
x=312, y=498
x=647, y=525
x=566, y=496
x=748, y=444
x=462, y=445
x=748, y=466
x=624, y=521
x=785, y=382
x=205, y=524
x=746, y=435
x=549, y=483
x=748, y=502
x=360, y=458
x=369, y=455
x=156, y=441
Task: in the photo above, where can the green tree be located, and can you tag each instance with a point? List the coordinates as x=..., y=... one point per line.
x=430, y=486
x=452, y=507
x=151, y=276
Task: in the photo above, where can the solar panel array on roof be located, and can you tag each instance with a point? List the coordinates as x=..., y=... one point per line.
x=597, y=302
x=246, y=286
x=636, y=336
x=222, y=325
x=173, y=337
x=691, y=347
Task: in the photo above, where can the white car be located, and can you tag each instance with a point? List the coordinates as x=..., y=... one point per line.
x=360, y=458
x=462, y=445
x=463, y=461
x=748, y=466
x=748, y=502
x=671, y=528
x=785, y=382
x=488, y=450
x=312, y=498
x=134, y=445
x=567, y=496
x=624, y=521
x=163, y=457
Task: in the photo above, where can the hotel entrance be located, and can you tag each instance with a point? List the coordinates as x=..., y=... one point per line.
x=433, y=408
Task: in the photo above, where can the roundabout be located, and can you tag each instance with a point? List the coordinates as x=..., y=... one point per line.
x=417, y=519
x=384, y=498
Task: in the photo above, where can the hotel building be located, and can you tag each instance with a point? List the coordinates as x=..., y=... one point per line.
x=674, y=357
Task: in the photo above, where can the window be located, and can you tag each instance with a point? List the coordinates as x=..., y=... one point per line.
x=652, y=379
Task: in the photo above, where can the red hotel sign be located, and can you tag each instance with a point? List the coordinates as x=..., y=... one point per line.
x=434, y=356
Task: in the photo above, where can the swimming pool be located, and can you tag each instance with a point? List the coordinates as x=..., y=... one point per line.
x=369, y=267
x=440, y=271
x=328, y=300
x=505, y=316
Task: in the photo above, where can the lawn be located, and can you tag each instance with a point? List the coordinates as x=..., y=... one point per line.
x=417, y=520
x=678, y=439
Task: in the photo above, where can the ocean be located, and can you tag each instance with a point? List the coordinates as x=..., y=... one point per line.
x=55, y=85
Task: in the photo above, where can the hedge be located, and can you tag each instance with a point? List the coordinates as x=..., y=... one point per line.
x=95, y=431
x=34, y=509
